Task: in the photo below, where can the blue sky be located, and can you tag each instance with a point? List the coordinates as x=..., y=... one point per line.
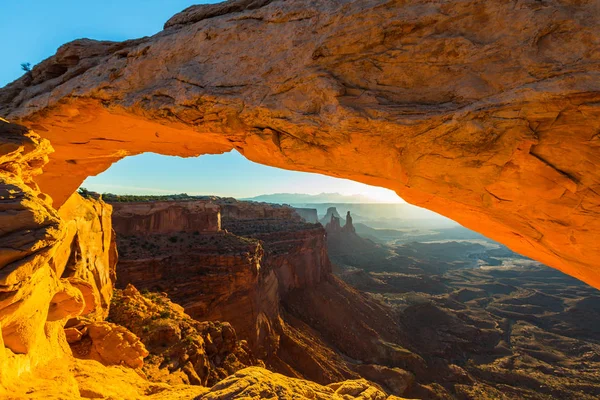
x=34, y=29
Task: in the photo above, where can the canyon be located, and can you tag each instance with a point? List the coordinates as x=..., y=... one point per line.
x=267, y=272
x=487, y=113
x=488, y=323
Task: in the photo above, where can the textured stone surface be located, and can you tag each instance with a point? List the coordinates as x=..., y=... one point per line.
x=182, y=350
x=87, y=256
x=257, y=383
x=47, y=276
x=110, y=344
x=486, y=112
x=166, y=217
x=89, y=379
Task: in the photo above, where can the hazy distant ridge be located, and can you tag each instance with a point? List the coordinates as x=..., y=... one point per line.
x=296, y=198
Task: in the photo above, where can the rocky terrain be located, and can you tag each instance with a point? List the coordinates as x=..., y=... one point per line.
x=431, y=325
x=296, y=316
x=488, y=323
x=273, y=301
x=181, y=349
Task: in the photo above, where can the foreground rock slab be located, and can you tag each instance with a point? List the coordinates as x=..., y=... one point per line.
x=255, y=383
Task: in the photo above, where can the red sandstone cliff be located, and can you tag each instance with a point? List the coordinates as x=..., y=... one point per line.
x=269, y=275
x=238, y=276
x=214, y=276
x=166, y=217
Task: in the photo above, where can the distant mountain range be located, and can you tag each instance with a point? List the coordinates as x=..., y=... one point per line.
x=364, y=210
x=302, y=198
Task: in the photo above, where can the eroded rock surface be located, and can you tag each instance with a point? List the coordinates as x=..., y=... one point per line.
x=236, y=275
x=484, y=112
x=261, y=383
x=165, y=217
x=110, y=344
x=182, y=350
x=87, y=256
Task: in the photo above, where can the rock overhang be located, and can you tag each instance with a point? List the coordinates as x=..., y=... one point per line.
x=487, y=113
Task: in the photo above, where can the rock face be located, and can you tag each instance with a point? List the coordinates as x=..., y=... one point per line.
x=55, y=265
x=215, y=277
x=333, y=226
x=349, y=227
x=237, y=275
x=260, y=383
x=487, y=113
x=182, y=350
x=166, y=217
x=111, y=345
x=331, y=213
x=308, y=214
x=87, y=256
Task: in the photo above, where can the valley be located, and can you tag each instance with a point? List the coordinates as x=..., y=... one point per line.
x=428, y=312
x=493, y=323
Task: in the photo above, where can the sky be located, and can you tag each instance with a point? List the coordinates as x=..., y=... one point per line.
x=36, y=28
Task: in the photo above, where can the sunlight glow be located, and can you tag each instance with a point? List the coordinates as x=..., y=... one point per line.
x=227, y=175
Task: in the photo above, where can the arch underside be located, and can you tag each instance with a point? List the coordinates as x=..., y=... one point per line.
x=488, y=113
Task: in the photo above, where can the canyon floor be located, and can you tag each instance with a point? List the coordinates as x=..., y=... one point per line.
x=507, y=326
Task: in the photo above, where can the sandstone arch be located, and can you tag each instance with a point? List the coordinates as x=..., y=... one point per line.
x=486, y=112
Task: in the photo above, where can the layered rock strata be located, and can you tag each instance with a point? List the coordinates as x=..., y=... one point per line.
x=56, y=266
x=304, y=333
x=237, y=275
x=166, y=217
x=215, y=277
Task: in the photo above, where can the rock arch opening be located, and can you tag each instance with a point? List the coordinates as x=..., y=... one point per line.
x=511, y=152
x=521, y=200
